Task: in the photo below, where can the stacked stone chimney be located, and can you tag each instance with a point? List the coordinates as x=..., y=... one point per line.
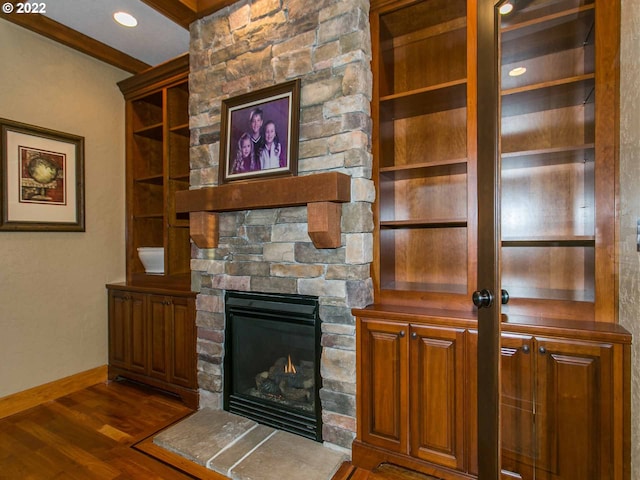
x=246, y=47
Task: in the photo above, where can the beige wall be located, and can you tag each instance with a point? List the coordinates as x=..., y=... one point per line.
x=53, y=303
x=630, y=204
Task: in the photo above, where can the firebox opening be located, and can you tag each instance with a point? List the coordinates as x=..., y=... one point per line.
x=272, y=360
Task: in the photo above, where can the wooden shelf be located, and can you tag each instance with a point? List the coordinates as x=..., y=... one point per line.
x=325, y=191
x=425, y=287
x=181, y=130
x=151, y=131
x=151, y=179
x=528, y=36
x=561, y=93
x=434, y=17
x=180, y=178
x=567, y=241
x=149, y=215
x=430, y=169
x=549, y=294
x=549, y=156
x=423, y=101
x=425, y=223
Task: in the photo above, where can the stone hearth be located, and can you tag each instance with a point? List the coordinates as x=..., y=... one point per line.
x=241, y=449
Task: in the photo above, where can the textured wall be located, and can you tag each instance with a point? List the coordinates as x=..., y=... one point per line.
x=630, y=203
x=246, y=47
x=53, y=302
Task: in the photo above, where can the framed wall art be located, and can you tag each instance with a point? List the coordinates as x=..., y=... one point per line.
x=41, y=179
x=259, y=133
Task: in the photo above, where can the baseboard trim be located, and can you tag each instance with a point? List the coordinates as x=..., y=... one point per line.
x=33, y=397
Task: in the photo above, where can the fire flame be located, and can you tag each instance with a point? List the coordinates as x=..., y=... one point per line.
x=289, y=368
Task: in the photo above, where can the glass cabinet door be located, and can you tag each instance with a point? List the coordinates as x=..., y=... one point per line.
x=549, y=173
x=547, y=86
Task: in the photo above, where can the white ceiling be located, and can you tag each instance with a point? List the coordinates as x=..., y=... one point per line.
x=155, y=39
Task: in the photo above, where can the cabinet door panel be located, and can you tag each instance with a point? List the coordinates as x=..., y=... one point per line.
x=159, y=318
x=138, y=333
x=573, y=418
x=119, y=326
x=437, y=374
x=182, y=337
x=383, y=384
x=517, y=404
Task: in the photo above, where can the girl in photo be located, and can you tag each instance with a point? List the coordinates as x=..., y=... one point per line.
x=244, y=161
x=272, y=154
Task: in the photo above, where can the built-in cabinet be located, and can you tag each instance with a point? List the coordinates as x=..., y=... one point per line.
x=564, y=396
x=157, y=122
x=413, y=390
x=152, y=333
x=152, y=338
x=565, y=391
x=424, y=153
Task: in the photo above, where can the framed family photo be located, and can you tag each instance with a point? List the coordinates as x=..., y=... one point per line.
x=41, y=179
x=259, y=133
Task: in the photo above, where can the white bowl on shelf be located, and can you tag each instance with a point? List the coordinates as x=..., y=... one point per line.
x=152, y=259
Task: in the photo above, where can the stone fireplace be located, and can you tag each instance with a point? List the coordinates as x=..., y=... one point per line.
x=252, y=45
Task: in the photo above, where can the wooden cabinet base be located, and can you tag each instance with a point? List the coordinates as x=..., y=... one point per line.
x=564, y=404
x=369, y=457
x=188, y=396
x=152, y=338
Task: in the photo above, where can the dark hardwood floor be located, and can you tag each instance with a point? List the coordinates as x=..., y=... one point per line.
x=105, y=432
x=89, y=434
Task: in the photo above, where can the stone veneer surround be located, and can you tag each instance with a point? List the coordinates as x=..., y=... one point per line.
x=252, y=45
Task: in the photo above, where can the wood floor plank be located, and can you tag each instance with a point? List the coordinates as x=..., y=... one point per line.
x=383, y=472
x=88, y=435
x=104, y=432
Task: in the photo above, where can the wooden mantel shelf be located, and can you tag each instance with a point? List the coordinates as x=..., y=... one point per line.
x=322, y=193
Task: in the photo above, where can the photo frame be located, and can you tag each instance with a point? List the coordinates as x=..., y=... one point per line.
x=259, y=133
x=41, y=179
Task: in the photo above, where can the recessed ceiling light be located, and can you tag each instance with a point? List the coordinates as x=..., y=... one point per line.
x=125, y=19
x=516, y=72
x=506, y=8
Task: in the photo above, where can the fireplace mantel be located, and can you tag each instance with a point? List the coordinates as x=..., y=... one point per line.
x=322, y=193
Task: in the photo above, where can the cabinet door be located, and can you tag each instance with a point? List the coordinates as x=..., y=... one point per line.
x=383, y=383
x=119, y=326
x=159, y=334
x=437, y=393
x=517, y=404
x=558, y=144
x=138, y=307
x=182, y=369
x=574, y=401
x=127, y=336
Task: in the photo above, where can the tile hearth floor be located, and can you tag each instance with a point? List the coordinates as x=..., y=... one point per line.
x=242, y=449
